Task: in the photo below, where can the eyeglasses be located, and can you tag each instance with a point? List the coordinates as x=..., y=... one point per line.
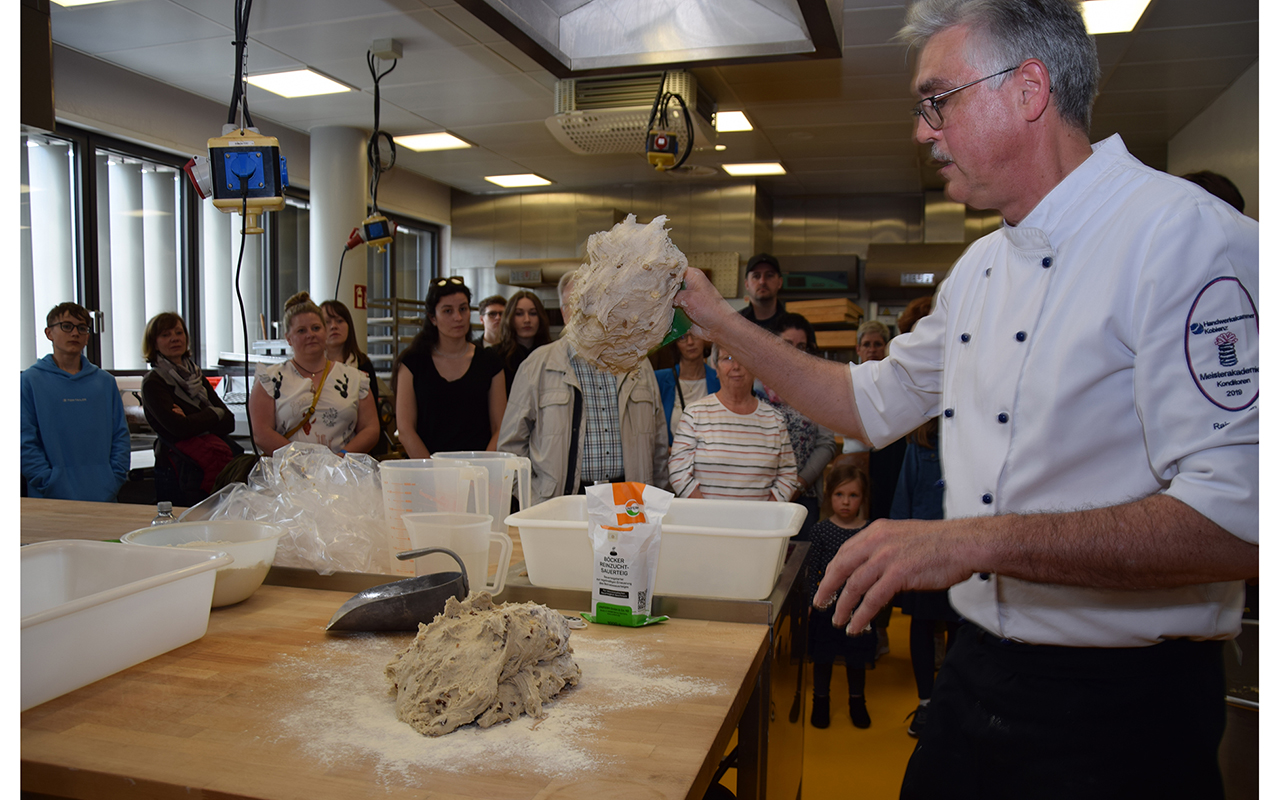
x=455, y=280
x=492, y=314
x=931, y=109
x=68, y=327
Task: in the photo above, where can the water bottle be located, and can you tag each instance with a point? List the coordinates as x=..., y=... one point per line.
x=164, y=513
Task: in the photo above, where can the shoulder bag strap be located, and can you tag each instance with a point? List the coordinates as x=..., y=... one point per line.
x=315, y=398
x=570, y=486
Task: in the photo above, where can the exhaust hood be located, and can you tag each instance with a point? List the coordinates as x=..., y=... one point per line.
x=575, y=38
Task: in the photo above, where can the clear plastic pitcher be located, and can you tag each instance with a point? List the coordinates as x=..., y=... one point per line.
x=503, y=469
x=469, y=536
x=420, y=485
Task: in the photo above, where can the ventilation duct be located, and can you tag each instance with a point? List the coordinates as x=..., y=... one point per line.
x=596, y=116
x=577, y=38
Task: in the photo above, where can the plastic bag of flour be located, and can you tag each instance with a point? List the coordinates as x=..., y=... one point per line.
x=624, y=523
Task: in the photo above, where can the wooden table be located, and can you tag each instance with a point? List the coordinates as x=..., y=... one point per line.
x=44, y=519
x=220, y=717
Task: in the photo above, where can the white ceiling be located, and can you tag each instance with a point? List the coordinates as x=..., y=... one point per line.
x=839, y=126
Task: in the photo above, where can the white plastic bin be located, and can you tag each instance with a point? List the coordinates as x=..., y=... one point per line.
x=91, y=609
x=731, y=549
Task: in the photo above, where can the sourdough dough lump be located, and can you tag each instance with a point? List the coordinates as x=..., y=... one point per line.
x=480, y=663
x=621, y=301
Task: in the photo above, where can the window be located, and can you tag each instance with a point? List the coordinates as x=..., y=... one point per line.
x=408, y=264
x=141, y=268
x=117, y=228
x=48, y=237
x=110, y=232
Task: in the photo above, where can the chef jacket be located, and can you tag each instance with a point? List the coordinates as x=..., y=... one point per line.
x=1102, y=350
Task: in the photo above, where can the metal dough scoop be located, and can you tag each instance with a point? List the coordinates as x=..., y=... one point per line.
x=401, y=605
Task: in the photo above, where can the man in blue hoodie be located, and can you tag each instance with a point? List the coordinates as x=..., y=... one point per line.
x=75, y=442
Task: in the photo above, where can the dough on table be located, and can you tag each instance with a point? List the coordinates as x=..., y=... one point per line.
x=480, y=663
x=620, y=307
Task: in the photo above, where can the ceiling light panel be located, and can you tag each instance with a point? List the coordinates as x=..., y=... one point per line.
x=73, y=3
x=759, y=168
x=421, y=142
x=517, y=181
x=729, y=121
x=297, y=83
x=1112, y=16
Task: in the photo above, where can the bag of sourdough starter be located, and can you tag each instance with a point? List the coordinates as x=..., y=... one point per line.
x=624, y=523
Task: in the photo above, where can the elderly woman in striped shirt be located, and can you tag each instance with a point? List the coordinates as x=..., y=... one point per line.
x=732, y=446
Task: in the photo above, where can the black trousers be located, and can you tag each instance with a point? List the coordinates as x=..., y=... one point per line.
x=1011, y=720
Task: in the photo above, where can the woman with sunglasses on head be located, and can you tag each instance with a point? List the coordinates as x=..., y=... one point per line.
x=450, y=393
x=525, y=326
x=186, y=414
x=310, y=398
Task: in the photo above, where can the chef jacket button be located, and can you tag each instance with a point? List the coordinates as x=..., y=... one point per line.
x=950, y=412
x=1020, y=336
x=987, y=499
x=1002, y=417
x=986, y=576
x=940, y=483
x=988, y=272
x=1047, y=262
x=964, y=337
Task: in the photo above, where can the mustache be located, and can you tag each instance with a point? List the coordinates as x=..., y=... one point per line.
x=939, y=156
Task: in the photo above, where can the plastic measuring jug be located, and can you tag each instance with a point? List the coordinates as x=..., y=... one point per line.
x=469, y=536
x=419, y=485
x=503, y=468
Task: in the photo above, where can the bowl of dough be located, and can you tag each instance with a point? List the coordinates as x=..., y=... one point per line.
x=251, y=544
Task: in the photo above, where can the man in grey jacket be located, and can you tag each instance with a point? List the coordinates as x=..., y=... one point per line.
x=578, y=425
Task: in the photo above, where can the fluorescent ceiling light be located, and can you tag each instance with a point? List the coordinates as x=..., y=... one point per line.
x=763, y=168
x=1112, y=16
x=419, y=142
x=732, y=121
x=297, y=83
x=517, y=181
x=70, y=3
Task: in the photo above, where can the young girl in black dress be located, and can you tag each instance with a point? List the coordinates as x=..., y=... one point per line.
x=845, y=496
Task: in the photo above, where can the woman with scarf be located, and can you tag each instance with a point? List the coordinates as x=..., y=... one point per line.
x=190, y=420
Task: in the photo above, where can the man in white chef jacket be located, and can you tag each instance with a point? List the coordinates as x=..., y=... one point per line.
x=1094, y=364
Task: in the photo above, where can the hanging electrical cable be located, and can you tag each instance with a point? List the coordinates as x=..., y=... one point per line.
x=239, y=98
x=244, y=329
x=661, y=145
x=376, y=165
x=376, y=230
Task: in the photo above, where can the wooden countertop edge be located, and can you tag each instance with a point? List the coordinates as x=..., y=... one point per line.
x=722, y=739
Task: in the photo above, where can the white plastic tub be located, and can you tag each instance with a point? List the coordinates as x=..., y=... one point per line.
x=252, y=545
x=730, y=549
x=91, y=609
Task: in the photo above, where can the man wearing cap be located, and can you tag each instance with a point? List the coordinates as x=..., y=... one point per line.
x=764, y=282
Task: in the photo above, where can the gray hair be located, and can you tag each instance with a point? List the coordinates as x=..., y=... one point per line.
x=1008, y=32
x=873, y=326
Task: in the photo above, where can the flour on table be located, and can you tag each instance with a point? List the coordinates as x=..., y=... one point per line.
x=481, y=663
x=342, y=713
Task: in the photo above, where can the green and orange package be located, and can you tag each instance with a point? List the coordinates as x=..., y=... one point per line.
x=624, y=523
